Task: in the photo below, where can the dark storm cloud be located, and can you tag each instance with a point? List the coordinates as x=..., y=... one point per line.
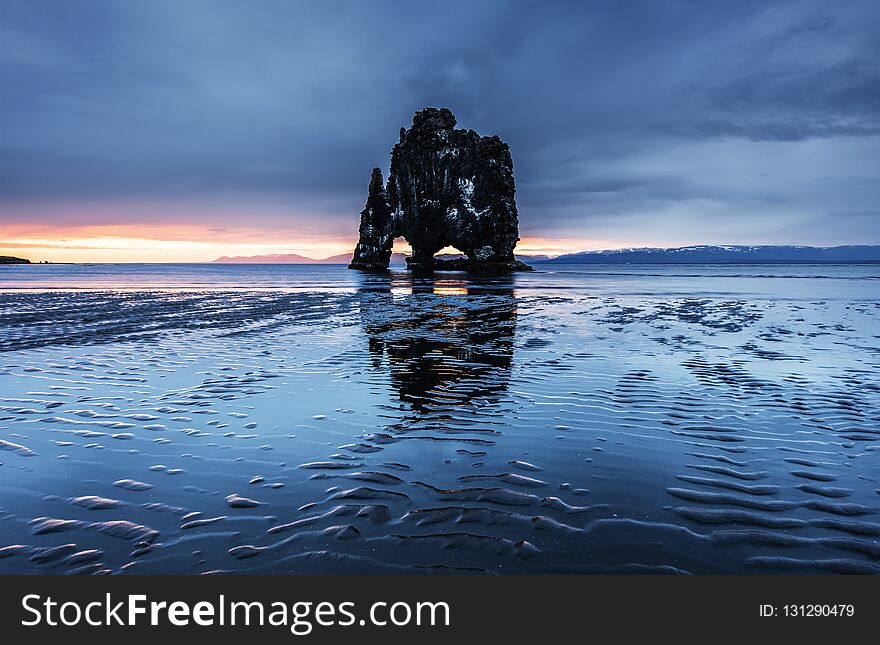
x=659, y=117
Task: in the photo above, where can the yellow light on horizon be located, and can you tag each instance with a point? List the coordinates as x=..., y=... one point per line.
x=184, y=244
x=112, y=249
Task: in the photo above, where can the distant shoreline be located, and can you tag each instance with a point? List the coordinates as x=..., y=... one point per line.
x=401, y=267
x=718, y=255
x=694, y=254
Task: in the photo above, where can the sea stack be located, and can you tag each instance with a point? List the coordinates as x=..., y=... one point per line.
x=447, y=187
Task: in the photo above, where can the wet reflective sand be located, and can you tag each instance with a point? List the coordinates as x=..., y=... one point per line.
x=672, y=420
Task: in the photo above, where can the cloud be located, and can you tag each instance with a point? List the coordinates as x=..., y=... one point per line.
x=669, y=119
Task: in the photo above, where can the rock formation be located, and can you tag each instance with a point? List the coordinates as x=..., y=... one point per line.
x=447, y=187
x=377, y=230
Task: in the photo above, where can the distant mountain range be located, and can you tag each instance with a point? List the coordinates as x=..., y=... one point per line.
x=8, y=259
x=704, y=254
x=293, y=258
x=398, y=259
x=726, y=255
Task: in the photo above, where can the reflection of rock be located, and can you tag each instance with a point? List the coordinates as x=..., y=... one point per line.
x=440, y=351
x=447, y=187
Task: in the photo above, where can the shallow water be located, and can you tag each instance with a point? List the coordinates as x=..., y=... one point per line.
x=304, y=419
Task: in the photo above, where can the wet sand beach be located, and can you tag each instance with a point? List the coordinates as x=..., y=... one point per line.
x=316, y=420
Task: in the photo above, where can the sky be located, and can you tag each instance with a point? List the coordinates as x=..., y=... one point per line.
x=183, y=130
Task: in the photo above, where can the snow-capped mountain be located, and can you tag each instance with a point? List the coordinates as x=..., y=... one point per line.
x=726, y=254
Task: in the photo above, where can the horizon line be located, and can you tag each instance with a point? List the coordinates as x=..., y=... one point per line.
x=307, y=260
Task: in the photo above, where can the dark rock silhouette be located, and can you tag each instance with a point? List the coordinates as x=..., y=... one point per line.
x=377, y=230
x=8, y=259
x=447, y=187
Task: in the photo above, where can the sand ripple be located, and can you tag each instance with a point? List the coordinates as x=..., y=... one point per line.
x=437, y=426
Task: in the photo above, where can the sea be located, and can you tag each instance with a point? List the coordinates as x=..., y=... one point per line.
x=303, y=419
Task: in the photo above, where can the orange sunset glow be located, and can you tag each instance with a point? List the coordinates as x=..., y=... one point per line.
x=189, y=243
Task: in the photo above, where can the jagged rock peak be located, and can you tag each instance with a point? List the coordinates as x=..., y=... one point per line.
x=434, y=119
x=376, y=234
x=447, y=187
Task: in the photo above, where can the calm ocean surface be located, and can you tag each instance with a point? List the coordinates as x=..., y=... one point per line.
x=307, y=419
x=860, y=282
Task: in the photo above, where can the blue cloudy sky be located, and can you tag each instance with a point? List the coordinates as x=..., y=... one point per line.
x=186, y=129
